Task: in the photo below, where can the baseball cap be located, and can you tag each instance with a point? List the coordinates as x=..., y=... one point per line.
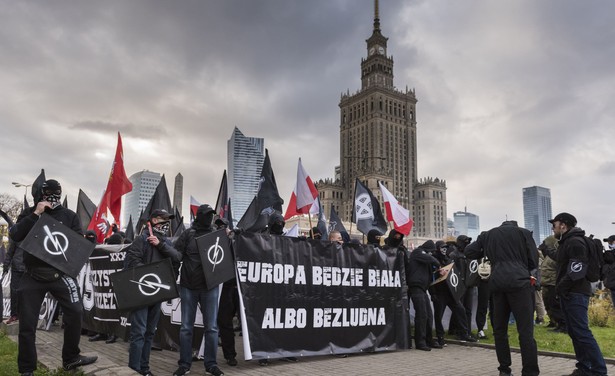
x=162, y=214
x=565, y=218
x=609, y=239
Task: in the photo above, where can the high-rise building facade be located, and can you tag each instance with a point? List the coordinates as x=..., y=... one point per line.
x=178, y=192
x=537, y=212
x=466, y=224
x=144, y=185
x=245, y=157
x=378, y=143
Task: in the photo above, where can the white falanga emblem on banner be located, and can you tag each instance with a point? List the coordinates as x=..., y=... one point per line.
x=152, y=286
x=215, y=254
x=54, y=237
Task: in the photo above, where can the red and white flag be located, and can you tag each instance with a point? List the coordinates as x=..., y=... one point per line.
x=395, y=212
x=303, y=196
x=194, y=206
x=110, y=205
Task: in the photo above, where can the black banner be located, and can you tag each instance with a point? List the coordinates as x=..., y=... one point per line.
x=57, y=245
x=308, y=297
x=144, y=285
x=216, y=258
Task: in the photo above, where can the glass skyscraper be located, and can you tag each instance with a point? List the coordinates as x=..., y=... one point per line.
x=537, y=212
x=144, y=185
x=245, y=157
x=466, y=224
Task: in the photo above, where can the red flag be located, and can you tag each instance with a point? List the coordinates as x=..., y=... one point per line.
x=303, y=195
x=111, y=201
x=194, y=206
x=396, y=213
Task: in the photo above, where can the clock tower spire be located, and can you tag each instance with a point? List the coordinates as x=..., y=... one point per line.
x=377, y=68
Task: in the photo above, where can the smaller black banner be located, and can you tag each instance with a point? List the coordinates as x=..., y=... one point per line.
x=144, y=285
x=216, y=258
x=57, y=245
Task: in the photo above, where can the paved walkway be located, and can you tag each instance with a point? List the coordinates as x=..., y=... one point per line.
x=455, y=359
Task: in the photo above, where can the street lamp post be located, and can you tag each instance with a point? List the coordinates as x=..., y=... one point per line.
x=19, y=185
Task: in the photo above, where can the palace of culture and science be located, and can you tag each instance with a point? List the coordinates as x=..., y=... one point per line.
x=378, y=128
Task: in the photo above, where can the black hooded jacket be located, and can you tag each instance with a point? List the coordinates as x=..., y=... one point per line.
x=421, y=265
x=571, y=247
x=512, y=253
x=192, y=275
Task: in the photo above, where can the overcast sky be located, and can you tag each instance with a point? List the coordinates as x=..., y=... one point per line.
x=510, y=94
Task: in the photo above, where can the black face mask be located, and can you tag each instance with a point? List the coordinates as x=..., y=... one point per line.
x=394, y=242
x=204, y=219
x=277, y=228
x=161, y=228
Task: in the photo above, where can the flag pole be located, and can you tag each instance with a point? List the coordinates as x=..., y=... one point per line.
x=310, y=222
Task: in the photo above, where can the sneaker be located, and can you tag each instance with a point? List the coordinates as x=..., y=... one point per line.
x=263, y=362
x=441, y=341
x=481, y=335
x=505, y=373
x=435, y=344
x=231, y=362
x=215, y=371
x=539, y=321
x=81, y=360
x=181, y=371
x=467, y=339
x=11, y=320
x=147, y=373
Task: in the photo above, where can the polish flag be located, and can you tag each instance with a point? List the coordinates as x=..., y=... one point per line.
x=303, y=196
x=194, y=206
x=395, y=212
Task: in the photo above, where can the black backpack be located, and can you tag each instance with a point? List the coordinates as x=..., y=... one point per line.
x=595, y=258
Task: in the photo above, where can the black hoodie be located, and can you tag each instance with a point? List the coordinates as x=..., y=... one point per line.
x=421, y=265
x=571, y=247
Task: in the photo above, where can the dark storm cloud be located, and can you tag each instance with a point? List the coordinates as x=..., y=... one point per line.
x=503, y=88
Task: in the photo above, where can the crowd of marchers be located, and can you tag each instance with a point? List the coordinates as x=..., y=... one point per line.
x=519, y=282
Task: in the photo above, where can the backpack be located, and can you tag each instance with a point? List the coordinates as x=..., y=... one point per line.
x=595, y=258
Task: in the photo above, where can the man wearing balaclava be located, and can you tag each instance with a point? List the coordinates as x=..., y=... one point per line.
x=194, y=291
x=40, y=278
x=151, y=246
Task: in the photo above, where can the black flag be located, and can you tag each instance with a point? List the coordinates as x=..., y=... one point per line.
x=160, y=200
x=223, y=203
x=216, y=258
x=266, y=202
x=322, y=220
x=177, y=223
x=57, y=245
x=367, y=214
x=85, y=210
x=26, y=206
x=65, y=202
x=37, y=187
x=144, y=285
x=130, y=230
x=335, y=223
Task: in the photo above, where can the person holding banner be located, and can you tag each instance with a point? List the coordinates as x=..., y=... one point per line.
x=40, y=278
x=194, y=291
x=151, y=246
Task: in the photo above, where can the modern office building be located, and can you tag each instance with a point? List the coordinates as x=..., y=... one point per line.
x=378, y=143
x=537, y=212
x=144, y=185
x=178, y=192
x=466, y=224
x=245, y=157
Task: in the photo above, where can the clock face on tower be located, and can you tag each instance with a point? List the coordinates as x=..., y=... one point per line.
x=381, y=50
x=372, y=51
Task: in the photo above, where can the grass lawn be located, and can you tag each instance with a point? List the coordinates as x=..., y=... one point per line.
x=8, y=361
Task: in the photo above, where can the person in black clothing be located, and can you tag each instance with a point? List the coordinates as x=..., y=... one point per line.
x=608, y=270
x=194, y=291
x=146, y=249
x=574, y=291
x=229, y=308
x=442, y=297
x=32, y=288
x=14, y=262
x=421, y=265
x=466, y=300
x=513, y=256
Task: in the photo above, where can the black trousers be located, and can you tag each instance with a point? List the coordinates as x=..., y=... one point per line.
x=423, y=317
x=482, y=304
x=440, y=302
x=15, y=281
x=229, y=307
x=521, y=304
x=31, y=296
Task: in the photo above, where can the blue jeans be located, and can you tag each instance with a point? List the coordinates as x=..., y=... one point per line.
x=588, y=354
x=208, y=299
x=142, y=328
